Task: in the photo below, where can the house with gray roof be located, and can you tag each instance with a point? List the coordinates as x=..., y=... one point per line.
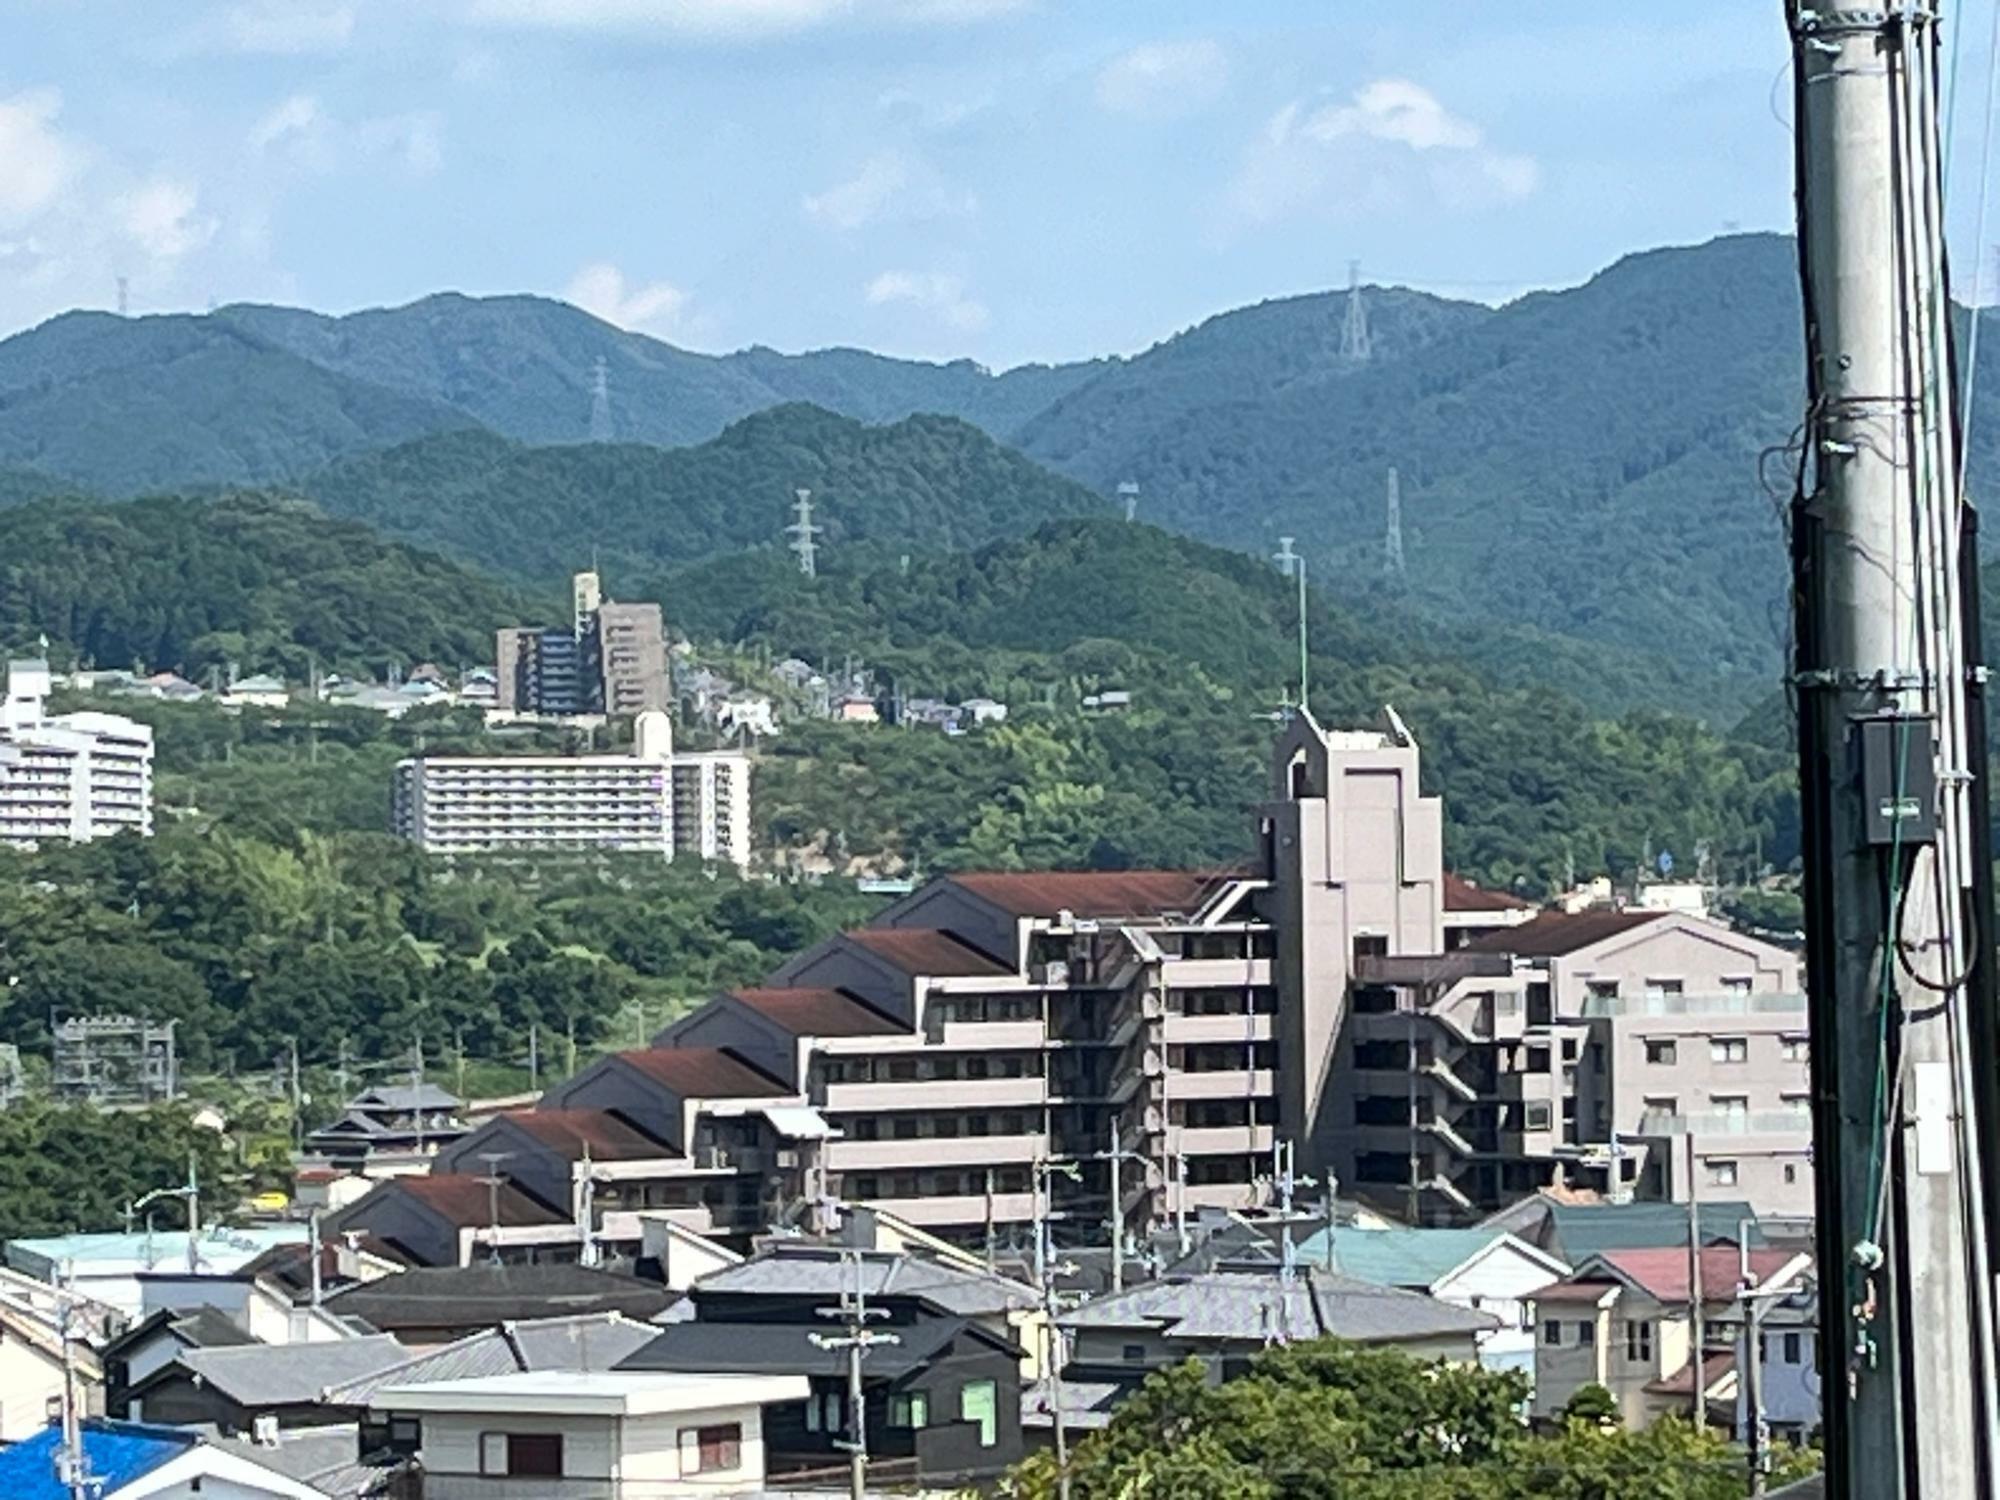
x=230, y=1387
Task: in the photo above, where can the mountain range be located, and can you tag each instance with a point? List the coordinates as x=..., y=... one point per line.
x=1583, y=473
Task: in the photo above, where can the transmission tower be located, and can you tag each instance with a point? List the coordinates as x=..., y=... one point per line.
x=1354, y=341
x=1392, y=540
x=1129, y=493
x=802, y=531
x=600, y=402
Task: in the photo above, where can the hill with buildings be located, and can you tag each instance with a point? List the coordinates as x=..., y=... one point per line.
x=247, y=581
x=927, y=483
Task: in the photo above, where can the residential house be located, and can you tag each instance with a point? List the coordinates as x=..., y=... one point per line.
x=1480, y=1269
x=157, y=1341
x=261, y=691
x=1787, y=1334
x=140, y=1461
x=1574, y=1230
x=245, y=1388
x=502, y=1437
x=856, y=708
x=108, y=1267
x=1624, y=1320
x=31, y=1366
x=453, y=1218
x=388, y=1129
x=436, y=1305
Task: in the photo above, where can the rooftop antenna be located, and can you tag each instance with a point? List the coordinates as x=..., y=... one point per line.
x=1355, y=344
x=802, y=531
x=1129, y=493
x=1293, y=565
x=124, y=297
x=1392, y=541
x=600, y=402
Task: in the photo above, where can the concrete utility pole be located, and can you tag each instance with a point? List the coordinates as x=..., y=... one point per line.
x=854, y=1313
x=1892, y=779
x=1697, y=1312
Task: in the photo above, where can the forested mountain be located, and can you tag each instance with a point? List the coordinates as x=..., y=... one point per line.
x=258, y=582
x=921, y=483
x=17, y=485
x=524, y=366
x=1202, y=639
x=126, y=405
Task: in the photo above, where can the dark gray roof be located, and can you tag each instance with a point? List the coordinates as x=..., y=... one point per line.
x=487, y=1296
x=1085, y=1403
x=591, y=1341
x=201, y=1328
x=820, y=1271
x=266, y=1375
x=788, y=1349
x=1258, y=1306
x=404, y=1096
x=301, y=1453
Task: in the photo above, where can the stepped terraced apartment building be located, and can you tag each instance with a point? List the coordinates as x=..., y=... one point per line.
x=1439, y=1048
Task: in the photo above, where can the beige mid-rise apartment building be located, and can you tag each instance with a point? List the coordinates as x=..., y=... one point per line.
x=69, y=777
x=972, y=1054
x=611, y=659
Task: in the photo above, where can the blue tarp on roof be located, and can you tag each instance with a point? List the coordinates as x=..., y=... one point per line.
x=118, y=1452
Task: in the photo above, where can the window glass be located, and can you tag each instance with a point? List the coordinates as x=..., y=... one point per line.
x=979, y=1401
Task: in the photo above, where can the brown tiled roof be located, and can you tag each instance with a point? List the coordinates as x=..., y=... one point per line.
x=704, y=1072
x=924, y=951
x=608, y=1137
x=1681, y=1382
x=1094, y=893
x=463, y=1200
x=1663, y=1274
x=1573, y=1291
x=1555, y=933
x=818, y=1012
x=1461, y=894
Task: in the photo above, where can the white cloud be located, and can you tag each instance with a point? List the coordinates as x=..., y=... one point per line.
x=1391, y=144
x=728, y=20
x=890, y=185
x=161, y=216
x=600, y=289
x=35, y=161
x=305, y=133
x=1161, y=79
x=932, y=291
x=286, y=27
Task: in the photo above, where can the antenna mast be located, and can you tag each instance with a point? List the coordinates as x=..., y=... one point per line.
x=1355, y=344
x=600, y=402
x=802, y=531
x=1392, y=541
x=1293, y=565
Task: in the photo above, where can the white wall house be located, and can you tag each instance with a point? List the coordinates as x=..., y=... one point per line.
x=611, y=1435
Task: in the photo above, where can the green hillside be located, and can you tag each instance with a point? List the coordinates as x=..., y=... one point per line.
x=126, y=405
x=922, y=483
x=19, y=485
x=524, y=367
x=258, y=582
x=1202, y=639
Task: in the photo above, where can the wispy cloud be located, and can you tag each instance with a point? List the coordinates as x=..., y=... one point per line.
x=36, y=161
x=728, y=20
x=285, y=27
x=601, y=290
x=934, y=292
x=889, y=185
x=162, y=216
x=300, y=129
x=1389, y=146
x=1162, y=79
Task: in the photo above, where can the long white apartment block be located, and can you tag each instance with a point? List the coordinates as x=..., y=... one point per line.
x=72, y=776
x=648, y=802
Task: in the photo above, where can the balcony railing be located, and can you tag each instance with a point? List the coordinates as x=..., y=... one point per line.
x=1726, y=1122
x=1733, y=1003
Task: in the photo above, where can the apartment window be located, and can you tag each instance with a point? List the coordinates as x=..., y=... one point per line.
x=910, y=1409
x=1661, y=1050
x=1537, y=1115
x=1601, y=989
x=1721, y=1171
x=711, y=1450
x=1639, y=1342
x=1569, y=1053
x=1661, y=1104
x=1586, y=1334
x=1538, y=1059
x=1791, y=1173
x=1798, y=1104
x=1795, y=1049
x=1728, y=1049
x=979, y=1401
x=1552, y=1333
x=1732, y=1107
x=1135, y=1354
x=1794, y=1348
x=862, y=1128
x=1370, y=945
x=521, y=1455
x=1658, y=988
x=1735, y=984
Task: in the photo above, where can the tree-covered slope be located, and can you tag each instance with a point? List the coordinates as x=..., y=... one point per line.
x=126, y=405
x=923, y=483
x=525, y=365
x=254, y=581
x=19, y=485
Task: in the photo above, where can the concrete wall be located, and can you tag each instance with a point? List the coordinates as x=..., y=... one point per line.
x=608, y=1456
x=28, y=1379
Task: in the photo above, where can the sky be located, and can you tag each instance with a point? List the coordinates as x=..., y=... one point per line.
x=1005, y=180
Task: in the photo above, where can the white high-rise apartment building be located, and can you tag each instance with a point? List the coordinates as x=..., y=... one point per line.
x=68, y=776
x=650, y=801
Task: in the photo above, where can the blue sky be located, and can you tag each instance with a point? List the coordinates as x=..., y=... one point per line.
x=1004, y=179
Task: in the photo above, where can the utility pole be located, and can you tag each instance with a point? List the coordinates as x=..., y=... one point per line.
x=854, y=1313
x=1697, y=1323
x=1892, y=768
x=1115, y=1157
x=72, y=1460
x=493, y=1180
x=417, y=1090
x=534, y=1058
x=992, y=1252
x=1180, y=1202
x=317, y=1281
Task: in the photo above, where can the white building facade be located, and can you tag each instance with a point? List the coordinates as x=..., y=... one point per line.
x=69, y=777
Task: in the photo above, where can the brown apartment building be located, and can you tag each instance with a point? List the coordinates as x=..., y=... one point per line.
x=1436, y=1047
